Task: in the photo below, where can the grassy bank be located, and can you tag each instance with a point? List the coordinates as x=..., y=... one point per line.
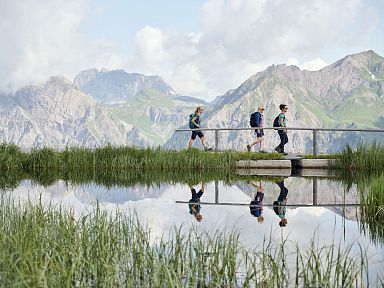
x=128, y=158
x=51, y=248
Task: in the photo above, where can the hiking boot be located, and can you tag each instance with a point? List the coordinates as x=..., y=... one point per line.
x=284, y=153
x=207, y=148
x=262, y=151
x=248, y=148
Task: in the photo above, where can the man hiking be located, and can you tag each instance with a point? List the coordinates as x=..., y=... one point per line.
x=194, y=122
x=282, y=122
x=257, y=120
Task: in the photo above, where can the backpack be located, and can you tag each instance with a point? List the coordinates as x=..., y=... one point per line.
x=256, y=210
x=253, y=121
x=191, y=125
x=276, y=121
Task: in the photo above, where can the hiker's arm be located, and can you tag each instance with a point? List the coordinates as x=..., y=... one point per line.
x=194, y=123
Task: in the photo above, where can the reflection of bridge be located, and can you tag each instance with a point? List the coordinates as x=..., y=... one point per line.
x=314, y=200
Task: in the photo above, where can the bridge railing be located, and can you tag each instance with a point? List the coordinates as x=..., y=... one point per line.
x=314, y=132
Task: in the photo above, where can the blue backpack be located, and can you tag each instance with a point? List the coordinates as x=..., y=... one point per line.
x=253, y=121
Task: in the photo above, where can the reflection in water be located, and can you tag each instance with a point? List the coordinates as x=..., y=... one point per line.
x=256, y=205
x=279, y=205
x=194, y=202
x=157, y=207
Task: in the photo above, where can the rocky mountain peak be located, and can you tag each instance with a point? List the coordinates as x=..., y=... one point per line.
x=118, y=85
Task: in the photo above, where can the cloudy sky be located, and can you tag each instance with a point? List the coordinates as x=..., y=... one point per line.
x=200, y=47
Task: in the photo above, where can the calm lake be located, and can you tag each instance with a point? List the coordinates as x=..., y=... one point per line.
x=315, y=209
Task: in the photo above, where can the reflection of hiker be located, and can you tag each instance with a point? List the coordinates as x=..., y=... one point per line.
x=282, y=122
x=257, y=120
x=256, y=207
x=194, y=122
x=194, y=203
x=279, y=205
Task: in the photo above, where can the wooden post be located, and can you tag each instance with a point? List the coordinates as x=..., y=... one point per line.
x=216, y=191
x=314, y=192
x=314, y=142
x=216, y=140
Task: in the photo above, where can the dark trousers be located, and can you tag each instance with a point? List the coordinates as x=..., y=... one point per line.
x=283, y=140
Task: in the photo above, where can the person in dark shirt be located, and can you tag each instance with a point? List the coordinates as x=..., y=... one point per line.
x=283, y=132
x=279, y=205
x=195, y=122
x=256, y=205
x=194, y=203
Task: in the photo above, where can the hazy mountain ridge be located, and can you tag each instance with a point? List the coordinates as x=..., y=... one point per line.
x=117, y=85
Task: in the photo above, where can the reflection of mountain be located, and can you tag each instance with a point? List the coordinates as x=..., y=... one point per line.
x=93, y=193
x=301, y=193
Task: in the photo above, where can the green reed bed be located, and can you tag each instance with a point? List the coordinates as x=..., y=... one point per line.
x=128, y=158
x=47, y=246
x=364, y=157
x=372, y=208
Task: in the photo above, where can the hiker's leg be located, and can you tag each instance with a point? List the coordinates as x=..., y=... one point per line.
x=255, y=142
x=282, y=142
x=193, y=137
x=261, y=143
x=201, y=136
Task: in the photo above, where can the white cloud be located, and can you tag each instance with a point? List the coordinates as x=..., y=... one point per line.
x=42, y=38
x=311, y=65
x=240, y=37
x=236, y=39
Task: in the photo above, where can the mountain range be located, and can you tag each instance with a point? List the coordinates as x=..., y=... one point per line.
x=120, y=108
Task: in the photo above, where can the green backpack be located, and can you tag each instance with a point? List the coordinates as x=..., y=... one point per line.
x=191, y=125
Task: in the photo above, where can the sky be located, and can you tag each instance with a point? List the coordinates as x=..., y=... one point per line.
x=201, y=48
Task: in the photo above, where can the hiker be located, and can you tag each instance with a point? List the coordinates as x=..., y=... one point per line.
x=256, y=205
x=279, y=205
x=194, y=122
x=282, y=122
x=194, y=202
x=257, y=120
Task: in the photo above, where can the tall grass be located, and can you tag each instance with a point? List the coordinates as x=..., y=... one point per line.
x=124, y=158
x=47, y=246
x=372, y=208
x=366, y=157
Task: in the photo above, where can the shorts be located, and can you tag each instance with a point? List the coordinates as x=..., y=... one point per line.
x=197, y=133
x=259, y=133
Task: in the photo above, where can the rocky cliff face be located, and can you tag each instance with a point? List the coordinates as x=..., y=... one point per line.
x=117, y=85
x=348, y=93
x=57, y=114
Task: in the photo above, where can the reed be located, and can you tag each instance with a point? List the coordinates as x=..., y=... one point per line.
x=129, y=159
x=366, y=157
x=50, y=247
x=372, y=208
